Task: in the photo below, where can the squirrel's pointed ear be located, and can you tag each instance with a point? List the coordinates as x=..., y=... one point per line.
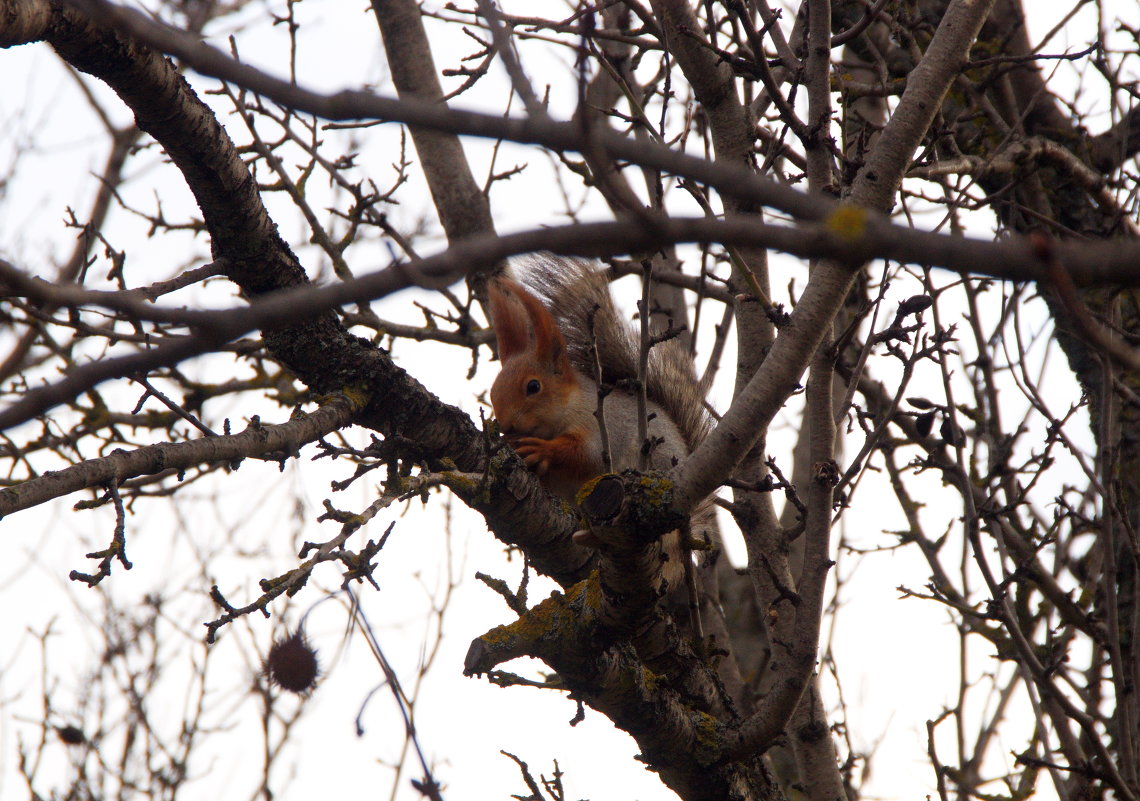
x=509, y=317
x=548, y=343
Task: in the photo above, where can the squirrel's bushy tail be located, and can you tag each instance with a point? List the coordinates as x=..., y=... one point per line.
x=577, y=293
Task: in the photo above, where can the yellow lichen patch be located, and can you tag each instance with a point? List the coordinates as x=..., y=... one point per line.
x=590, y=589
x=588, y=487
x=550, y=615
x=847, y=222
x=499, y=635
x=657, y=490
x=651, y=680
x=708, y=731
x=358, y=395
x=465, y=484
x=97, y=415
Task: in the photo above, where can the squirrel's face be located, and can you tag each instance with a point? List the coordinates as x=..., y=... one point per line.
x=537, y=389
x=532, y=400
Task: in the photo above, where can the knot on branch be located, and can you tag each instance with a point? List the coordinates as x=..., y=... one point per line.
x=826, y=473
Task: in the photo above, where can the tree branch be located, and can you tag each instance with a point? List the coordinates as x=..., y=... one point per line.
x=257, y=441
x=462, y=207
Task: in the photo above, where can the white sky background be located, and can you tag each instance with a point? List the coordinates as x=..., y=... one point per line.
x=898, y=658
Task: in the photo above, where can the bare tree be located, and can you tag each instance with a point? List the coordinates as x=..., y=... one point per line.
x=966, y=221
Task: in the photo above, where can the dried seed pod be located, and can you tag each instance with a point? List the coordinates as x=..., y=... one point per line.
x=951, y=434
x=292, y=663
x=71, y=735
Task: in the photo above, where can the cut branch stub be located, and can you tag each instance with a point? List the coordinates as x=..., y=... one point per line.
x=634, y=528
x=641, y=504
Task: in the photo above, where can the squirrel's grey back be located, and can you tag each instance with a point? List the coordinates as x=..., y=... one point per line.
x=577, y=293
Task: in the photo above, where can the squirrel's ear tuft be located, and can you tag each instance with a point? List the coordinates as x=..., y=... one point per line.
x=549, y=344
x=523, y=326
x=508, y=317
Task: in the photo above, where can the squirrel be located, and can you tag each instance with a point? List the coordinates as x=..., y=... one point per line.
x=555, y=329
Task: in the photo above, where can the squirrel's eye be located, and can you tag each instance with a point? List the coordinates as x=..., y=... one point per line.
x=532, y=386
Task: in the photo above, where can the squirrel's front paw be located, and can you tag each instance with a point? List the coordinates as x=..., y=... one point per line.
x=537, y=453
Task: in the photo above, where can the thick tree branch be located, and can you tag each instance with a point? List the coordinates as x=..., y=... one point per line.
x=711, y=79
x=462, y=207
x=874, y=187
x=850, y=235
x=797, y=623
x=926, y=87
